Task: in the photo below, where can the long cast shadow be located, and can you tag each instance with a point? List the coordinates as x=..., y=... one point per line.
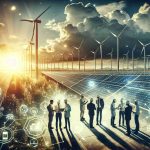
x=74, y=143
x=102, y=138
x=138, y=138
x=61, y=142
x=65, y=142
x=116, y=138
x=53, y=140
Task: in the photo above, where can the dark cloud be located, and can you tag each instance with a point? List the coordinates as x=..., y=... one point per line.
x=84, y=22
x=77, y=12
x=142, y=18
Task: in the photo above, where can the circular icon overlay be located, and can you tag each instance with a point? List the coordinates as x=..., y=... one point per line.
x=6, y=135
x=35, y=127
x=23, y=109
x=34, y=111
x=43, y=106
x=34, y=142
x=10, y=117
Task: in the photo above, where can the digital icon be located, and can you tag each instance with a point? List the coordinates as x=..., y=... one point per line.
x=23, y=109
x=5, y=135
x=34, y=127
x=34, y=111
x=10, y=117
x=43, y=106
x=34, y=142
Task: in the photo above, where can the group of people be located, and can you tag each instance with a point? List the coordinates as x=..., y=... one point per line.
x=125, y=111
x=58, y=110
x=125, y=114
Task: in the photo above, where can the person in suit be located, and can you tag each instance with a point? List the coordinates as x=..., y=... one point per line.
x=91, y=108
x=83, y=102
x=58, y=110
x=113, y=112
x=136, y=117
x=128, y=111
x=67, y=111
x=121, y=108
x=51, y=114
x=100, y=106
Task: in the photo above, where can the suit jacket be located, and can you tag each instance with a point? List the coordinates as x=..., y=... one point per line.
x=91, y=107
x=100, y=103
x=128, y=111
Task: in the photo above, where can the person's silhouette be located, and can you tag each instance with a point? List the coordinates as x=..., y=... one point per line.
x=100, y=106
x=67, y=111
x=91, y=108
x=51, y=114
x=128, y=111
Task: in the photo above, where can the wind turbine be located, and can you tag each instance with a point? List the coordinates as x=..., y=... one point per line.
x=84, y=62
x=117, y=37
x=133, y=57
x=62, y=54
x=127, y=58
x=78, y=49
x=71, y=54
x=144, y=47
x=148, y=56
x=35, y=22
x=111, y=56
x=101, y=49
x=31, y=44
x=94, y=53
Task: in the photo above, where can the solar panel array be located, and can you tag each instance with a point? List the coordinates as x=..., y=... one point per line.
x=129, y=87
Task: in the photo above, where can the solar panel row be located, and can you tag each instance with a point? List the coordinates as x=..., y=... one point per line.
x=130, y=87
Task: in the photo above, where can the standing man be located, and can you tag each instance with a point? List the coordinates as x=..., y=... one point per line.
x=128, y=111
x=91, y=108
x=82, y=107
x=58, y=110
x=51, y=114
x=121, y=112
x=136, y=117
x=100, y=106
x=67, y=111
x=113, y=113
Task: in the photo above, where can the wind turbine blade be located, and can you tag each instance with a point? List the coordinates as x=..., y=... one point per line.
x=28, y=20
x=142, y=50
x=122, y=31
x=92, y=52
x=141, y=43
x=105, y=39
x=33, y=32
x=147, y=44
x=98, y=41
x=81, y=43
x=134, y=47
x=42, y=12
x=113, y=34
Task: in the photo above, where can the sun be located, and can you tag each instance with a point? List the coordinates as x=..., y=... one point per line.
x=11, y=63
x=13, y=8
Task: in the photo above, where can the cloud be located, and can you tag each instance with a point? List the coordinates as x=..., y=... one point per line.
x=77, y=12
x=142, y=18
x=121, y=16
x=104, y=9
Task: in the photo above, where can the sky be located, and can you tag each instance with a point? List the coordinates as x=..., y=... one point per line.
x=68, y=21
